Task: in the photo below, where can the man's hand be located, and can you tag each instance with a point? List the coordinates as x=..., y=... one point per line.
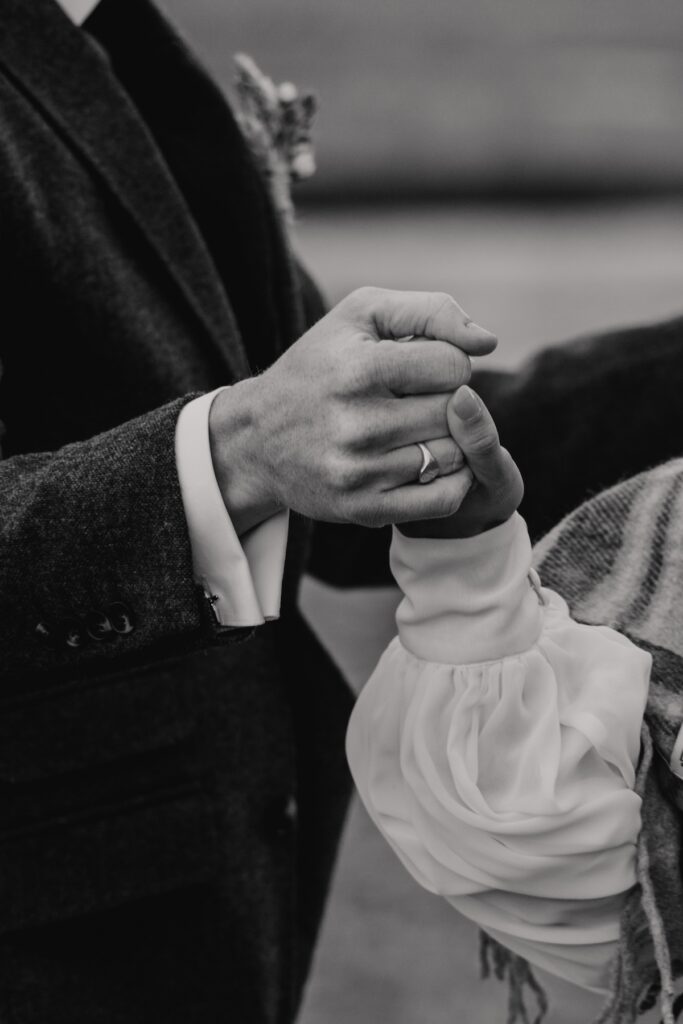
x=331, y=429
x=497, y=486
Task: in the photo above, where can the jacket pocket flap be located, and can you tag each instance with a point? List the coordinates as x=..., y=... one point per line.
x=91, y=722
x=68, y=869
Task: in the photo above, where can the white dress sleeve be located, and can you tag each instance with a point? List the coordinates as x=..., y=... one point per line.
x=495, y=747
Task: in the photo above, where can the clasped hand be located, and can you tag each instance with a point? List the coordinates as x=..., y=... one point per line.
x=331, y=429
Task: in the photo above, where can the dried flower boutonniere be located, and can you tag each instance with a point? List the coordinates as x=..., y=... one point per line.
x=277, y=122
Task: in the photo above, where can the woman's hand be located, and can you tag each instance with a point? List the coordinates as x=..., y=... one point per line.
x=497, y=485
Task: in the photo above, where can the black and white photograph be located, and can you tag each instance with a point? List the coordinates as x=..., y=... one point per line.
x=341, y=512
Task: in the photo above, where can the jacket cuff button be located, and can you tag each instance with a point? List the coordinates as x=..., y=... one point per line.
x=73, y=634
x=121, y=618
x=46, y=633
x=98, y=625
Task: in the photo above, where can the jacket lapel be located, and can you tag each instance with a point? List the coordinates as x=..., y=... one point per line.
x=69, y=79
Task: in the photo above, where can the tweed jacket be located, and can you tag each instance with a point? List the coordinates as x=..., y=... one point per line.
x=170, y=792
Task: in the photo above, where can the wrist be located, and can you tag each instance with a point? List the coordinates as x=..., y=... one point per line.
x=464, y=524
x=453, y=528
x=236, y=453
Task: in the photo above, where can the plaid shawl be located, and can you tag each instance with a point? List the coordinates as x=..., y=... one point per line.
x=618, y=561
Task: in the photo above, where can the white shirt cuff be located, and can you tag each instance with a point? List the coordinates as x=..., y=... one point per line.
x=241, y=579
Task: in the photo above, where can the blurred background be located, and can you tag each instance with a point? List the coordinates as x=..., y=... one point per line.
x=526, y=156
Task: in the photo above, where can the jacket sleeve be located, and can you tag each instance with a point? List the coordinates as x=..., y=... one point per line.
x=581, y=416
x=95, y=559
x=578, y=418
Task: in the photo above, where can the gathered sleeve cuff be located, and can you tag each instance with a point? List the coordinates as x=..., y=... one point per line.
x=469, y=599
x=495, y=747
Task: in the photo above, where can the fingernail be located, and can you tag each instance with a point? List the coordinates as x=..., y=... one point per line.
x=478, y=330
x=458, y=457
x=465, y=403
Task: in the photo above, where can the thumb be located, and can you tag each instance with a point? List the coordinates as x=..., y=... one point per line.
x=432, y=315
x=472, y=427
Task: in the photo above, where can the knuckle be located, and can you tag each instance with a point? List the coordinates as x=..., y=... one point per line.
x=509, y=462
x=443, y=301
x=450, y=503
x=382, y=369
x=465, y=368
x=362, y=299
x=348, y=431
x=452, y=461
x=351, y=375
x=483, y=443
x=344, y=474
x=460, y=366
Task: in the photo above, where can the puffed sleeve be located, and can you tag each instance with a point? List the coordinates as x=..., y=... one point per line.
x=495, y=747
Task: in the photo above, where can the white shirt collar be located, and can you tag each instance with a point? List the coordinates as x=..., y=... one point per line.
x=78, y=10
